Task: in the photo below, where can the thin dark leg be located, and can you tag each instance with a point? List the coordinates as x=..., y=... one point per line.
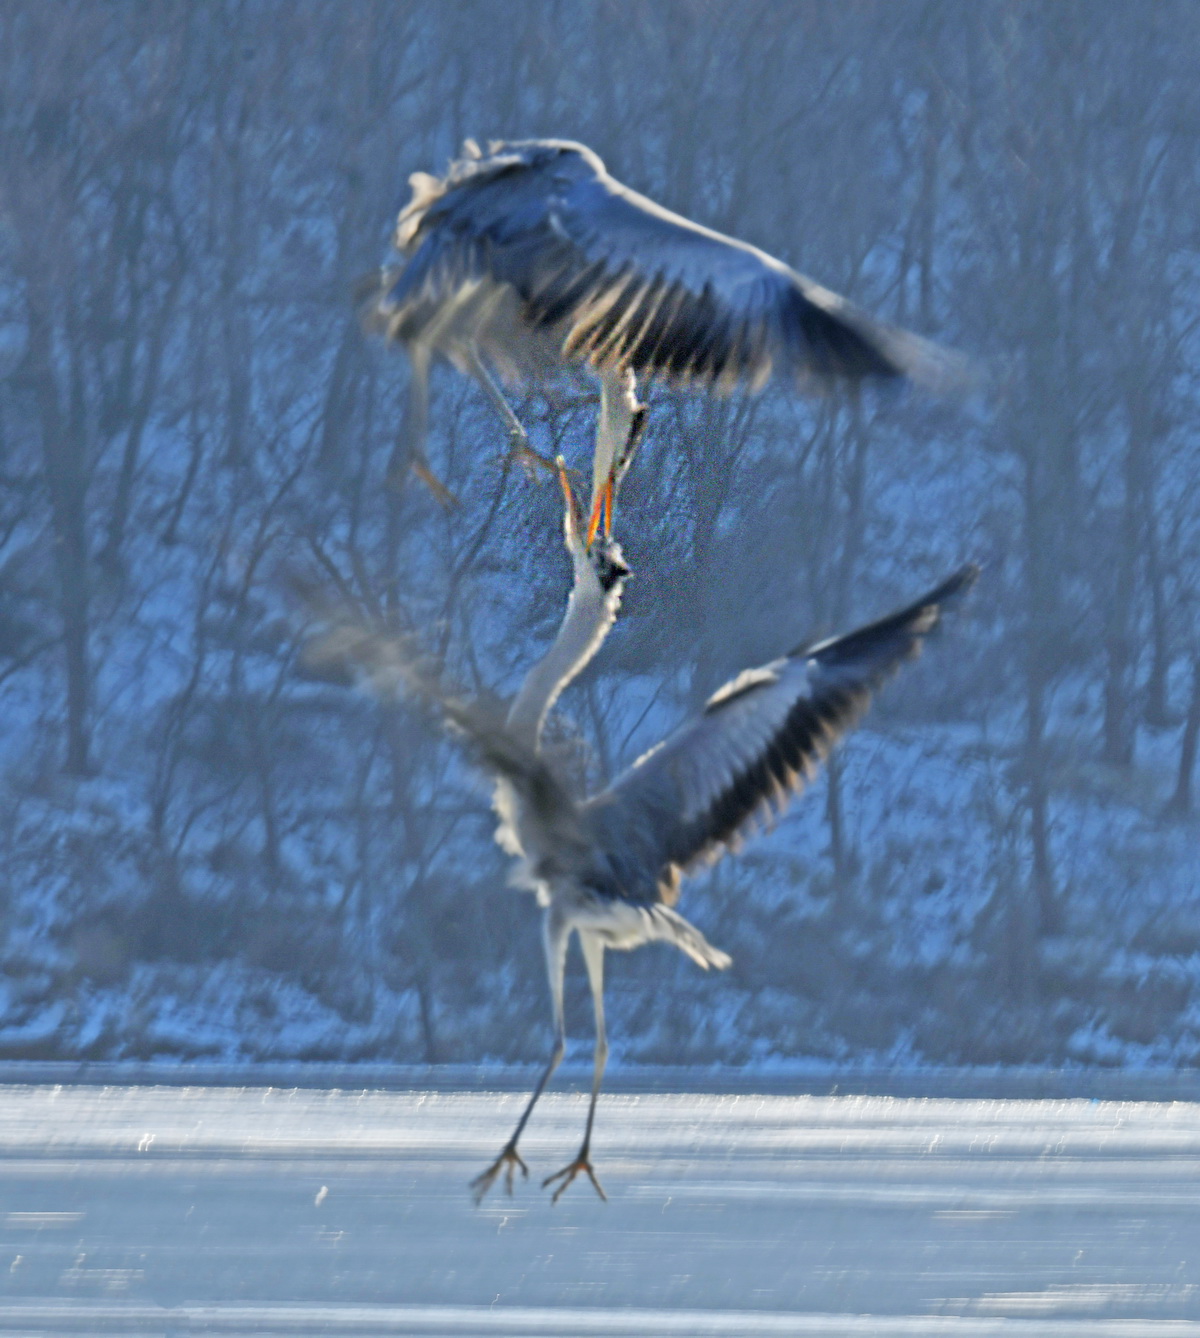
x=410, y=444
x=554, y=935
x=519, y=447
x=593, y=957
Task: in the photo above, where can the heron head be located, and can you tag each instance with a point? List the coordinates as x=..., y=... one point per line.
x=608, y=562
x=603, y=553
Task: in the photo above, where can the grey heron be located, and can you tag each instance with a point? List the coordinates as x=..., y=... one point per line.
x=609, y=867
x=531, y=255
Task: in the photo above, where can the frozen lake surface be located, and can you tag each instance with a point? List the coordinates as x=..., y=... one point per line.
x=182, y=1210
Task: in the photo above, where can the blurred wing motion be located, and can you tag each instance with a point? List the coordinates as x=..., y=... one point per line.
x=533, y=252
x=609, y=869
x=389, y=665
x=760, y=739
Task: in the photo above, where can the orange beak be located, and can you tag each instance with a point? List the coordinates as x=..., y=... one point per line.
x=602, y=504
x=565, y=483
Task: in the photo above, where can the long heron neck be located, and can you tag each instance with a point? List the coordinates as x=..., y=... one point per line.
x=617, y=407
x=591, y=611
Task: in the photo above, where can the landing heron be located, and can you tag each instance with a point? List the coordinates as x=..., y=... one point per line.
x=609, y=867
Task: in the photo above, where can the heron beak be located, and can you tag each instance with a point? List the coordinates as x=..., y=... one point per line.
x=603, y=505
x=568, y=496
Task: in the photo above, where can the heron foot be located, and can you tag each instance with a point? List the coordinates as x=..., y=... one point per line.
x=508, y=1161
x=443, y=494
x=523, y=453
x=580, y=1163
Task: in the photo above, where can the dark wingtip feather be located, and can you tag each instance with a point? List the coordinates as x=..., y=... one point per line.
x=914, y=621
x=952, y=588
x=851, y=667
x=833, y=337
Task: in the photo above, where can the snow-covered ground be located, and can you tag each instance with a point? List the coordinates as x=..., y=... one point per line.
x=258, y=1210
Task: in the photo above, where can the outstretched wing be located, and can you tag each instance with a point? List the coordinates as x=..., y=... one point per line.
x=350, y=647
x=759, y=740
x=614, y=280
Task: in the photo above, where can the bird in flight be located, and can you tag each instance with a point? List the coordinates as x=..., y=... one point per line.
x=531, y=256
x=609, y=867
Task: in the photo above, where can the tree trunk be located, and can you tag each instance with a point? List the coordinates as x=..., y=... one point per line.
x=1120, y=631
x=1157, y=706
x=64, y=466
x=1048, y=918
x=1181, y=800
x=839, y=855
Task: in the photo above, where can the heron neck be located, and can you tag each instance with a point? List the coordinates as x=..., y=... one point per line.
x=617, y=407
x=590, y=612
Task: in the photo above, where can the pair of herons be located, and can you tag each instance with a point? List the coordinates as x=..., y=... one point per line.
x=530, y=255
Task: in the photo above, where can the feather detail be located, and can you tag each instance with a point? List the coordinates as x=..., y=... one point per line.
x=759, y=740
x=604, y=276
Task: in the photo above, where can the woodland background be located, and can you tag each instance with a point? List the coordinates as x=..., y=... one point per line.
x=203, y=852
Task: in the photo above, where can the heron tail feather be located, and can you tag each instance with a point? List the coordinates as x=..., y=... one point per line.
x=671, y=927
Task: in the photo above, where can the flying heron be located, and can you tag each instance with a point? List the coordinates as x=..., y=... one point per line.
x=531, y=256
x=609, y=867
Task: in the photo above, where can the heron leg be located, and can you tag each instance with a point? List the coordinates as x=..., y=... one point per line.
x=555, y=933
x=409, y=452
x=519, y=447
x=622, y=422
x=593, y=957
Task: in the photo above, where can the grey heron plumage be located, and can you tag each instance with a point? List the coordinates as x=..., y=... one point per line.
x=609, y=867
x=531, y=255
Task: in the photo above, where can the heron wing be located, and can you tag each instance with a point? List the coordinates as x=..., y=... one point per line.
x=354, y=647
x=758, y=742
x=619, y=281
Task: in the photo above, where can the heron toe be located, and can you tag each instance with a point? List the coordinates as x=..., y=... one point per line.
x=422, y=470
x=568, y=1174
x=531, y=461
x=507, y=1161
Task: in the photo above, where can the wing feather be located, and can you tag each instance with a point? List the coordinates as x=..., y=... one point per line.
x=758, y=742
x=612, y=279
x=353, y=647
